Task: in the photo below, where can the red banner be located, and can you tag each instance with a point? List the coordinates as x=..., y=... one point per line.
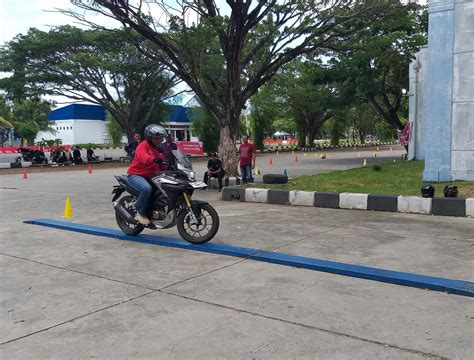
x=404, y=135
x=190, y=147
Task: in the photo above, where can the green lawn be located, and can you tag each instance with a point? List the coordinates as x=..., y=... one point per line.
x=400, y=178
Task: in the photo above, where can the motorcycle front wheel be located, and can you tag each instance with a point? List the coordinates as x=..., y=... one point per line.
x=124, y=225
x=204, y=230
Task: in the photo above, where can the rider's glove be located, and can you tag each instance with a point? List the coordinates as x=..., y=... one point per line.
x=158, y=160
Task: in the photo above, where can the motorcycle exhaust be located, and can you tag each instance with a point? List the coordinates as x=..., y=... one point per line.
x=125, y=214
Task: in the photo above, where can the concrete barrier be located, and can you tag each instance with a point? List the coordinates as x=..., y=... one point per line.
x=256, y=195
x=302, y=198
x=414, y=204
x=353, y=201
x=470, y=207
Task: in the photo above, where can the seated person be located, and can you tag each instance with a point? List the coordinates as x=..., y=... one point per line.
x=132, y=146
x=62, y=158
x=214, y=169
x=76, y=156
x=40, y=157
x=91, y=156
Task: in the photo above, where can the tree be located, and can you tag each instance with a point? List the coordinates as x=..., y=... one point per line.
x=97, y=66
x=114, y=130
x=375, y=67
x=30, y=117
x=227, y=54
x=205, y=127
x=309, y=95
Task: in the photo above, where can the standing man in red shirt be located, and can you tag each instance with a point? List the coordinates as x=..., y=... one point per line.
x=147, y=162
x=247, y=156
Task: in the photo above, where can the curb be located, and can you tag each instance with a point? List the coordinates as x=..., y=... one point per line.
x=404, y=204
x=15, y=165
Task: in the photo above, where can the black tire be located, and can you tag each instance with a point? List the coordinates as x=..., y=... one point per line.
x=207, y=213
x=275, y=179
x=126, y=227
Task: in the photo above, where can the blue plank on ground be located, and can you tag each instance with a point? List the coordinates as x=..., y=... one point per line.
x=452, y=286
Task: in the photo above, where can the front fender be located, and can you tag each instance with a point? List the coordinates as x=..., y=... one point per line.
x=196, y=206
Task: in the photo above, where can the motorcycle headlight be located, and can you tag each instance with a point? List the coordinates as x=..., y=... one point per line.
x=191, y=175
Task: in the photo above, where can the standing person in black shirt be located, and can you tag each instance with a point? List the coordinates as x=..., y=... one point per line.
x=214, y=169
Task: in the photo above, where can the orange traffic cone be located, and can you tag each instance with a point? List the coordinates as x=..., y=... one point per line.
x=25, y=174
x=270, y=161
x=89, y=169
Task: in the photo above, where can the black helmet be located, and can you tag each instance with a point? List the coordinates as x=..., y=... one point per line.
x=450, y=191
x=153, y=130
x=427, y=191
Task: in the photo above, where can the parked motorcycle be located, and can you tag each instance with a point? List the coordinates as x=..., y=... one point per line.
x=170, y=204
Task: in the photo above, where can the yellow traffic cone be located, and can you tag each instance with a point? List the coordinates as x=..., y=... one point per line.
x=68, y=208
x=277, y=153
x=365, y=162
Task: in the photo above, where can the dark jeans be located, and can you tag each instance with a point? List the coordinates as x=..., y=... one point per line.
x=140, y=184
x=218, y=175
x=246, y=171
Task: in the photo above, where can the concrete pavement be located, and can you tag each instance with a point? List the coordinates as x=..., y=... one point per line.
x=68, y=295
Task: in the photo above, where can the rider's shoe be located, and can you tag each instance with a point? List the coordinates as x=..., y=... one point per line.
x=142, y=219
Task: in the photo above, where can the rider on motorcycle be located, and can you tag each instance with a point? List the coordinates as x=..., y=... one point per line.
x=147, y=162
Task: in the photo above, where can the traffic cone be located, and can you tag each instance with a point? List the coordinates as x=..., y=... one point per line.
x=329, y=156
x=315, y=155
x=270, y=161
x=285, y=173
x=89, y=169
x=25, y=174
x=277, y=153
x=257, y=172
x=304, y=154
x=293, y=152
x=365, y=162
x=68, y=208
x=377, y=148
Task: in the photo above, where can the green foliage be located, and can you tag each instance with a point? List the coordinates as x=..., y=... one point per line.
x=114, y=130
x=374, y=68
x=376, y=167
x=98, y=66
x=205, y=127
x=55, y=142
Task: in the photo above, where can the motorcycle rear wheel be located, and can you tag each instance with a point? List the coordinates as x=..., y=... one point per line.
x=124, y=225
x=202, y=233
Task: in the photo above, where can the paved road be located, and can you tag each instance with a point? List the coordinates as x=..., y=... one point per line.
x=68, y=295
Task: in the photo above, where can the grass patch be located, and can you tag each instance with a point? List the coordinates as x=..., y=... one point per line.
x=400, y=178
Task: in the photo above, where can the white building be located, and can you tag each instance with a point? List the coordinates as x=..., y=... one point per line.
x=78, y=124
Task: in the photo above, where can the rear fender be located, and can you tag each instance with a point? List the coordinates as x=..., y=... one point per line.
x=117, y=191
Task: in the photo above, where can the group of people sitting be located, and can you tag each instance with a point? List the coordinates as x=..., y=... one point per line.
x=63, y=156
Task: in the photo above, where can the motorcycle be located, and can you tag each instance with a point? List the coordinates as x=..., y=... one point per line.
x=170, y=205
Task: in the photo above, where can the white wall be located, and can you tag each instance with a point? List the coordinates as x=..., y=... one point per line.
x=77, y=132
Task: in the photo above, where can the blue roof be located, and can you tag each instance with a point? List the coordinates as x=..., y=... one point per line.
x=178, y=114
x=78, y=111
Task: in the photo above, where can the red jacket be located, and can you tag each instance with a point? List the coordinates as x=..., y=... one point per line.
x=143, y=164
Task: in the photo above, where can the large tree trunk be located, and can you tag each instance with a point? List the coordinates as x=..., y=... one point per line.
x=227, y=150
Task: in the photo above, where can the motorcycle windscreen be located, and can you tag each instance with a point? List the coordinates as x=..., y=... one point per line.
x=182, y=158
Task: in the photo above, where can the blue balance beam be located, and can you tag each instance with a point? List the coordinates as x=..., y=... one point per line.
x=452, y=286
